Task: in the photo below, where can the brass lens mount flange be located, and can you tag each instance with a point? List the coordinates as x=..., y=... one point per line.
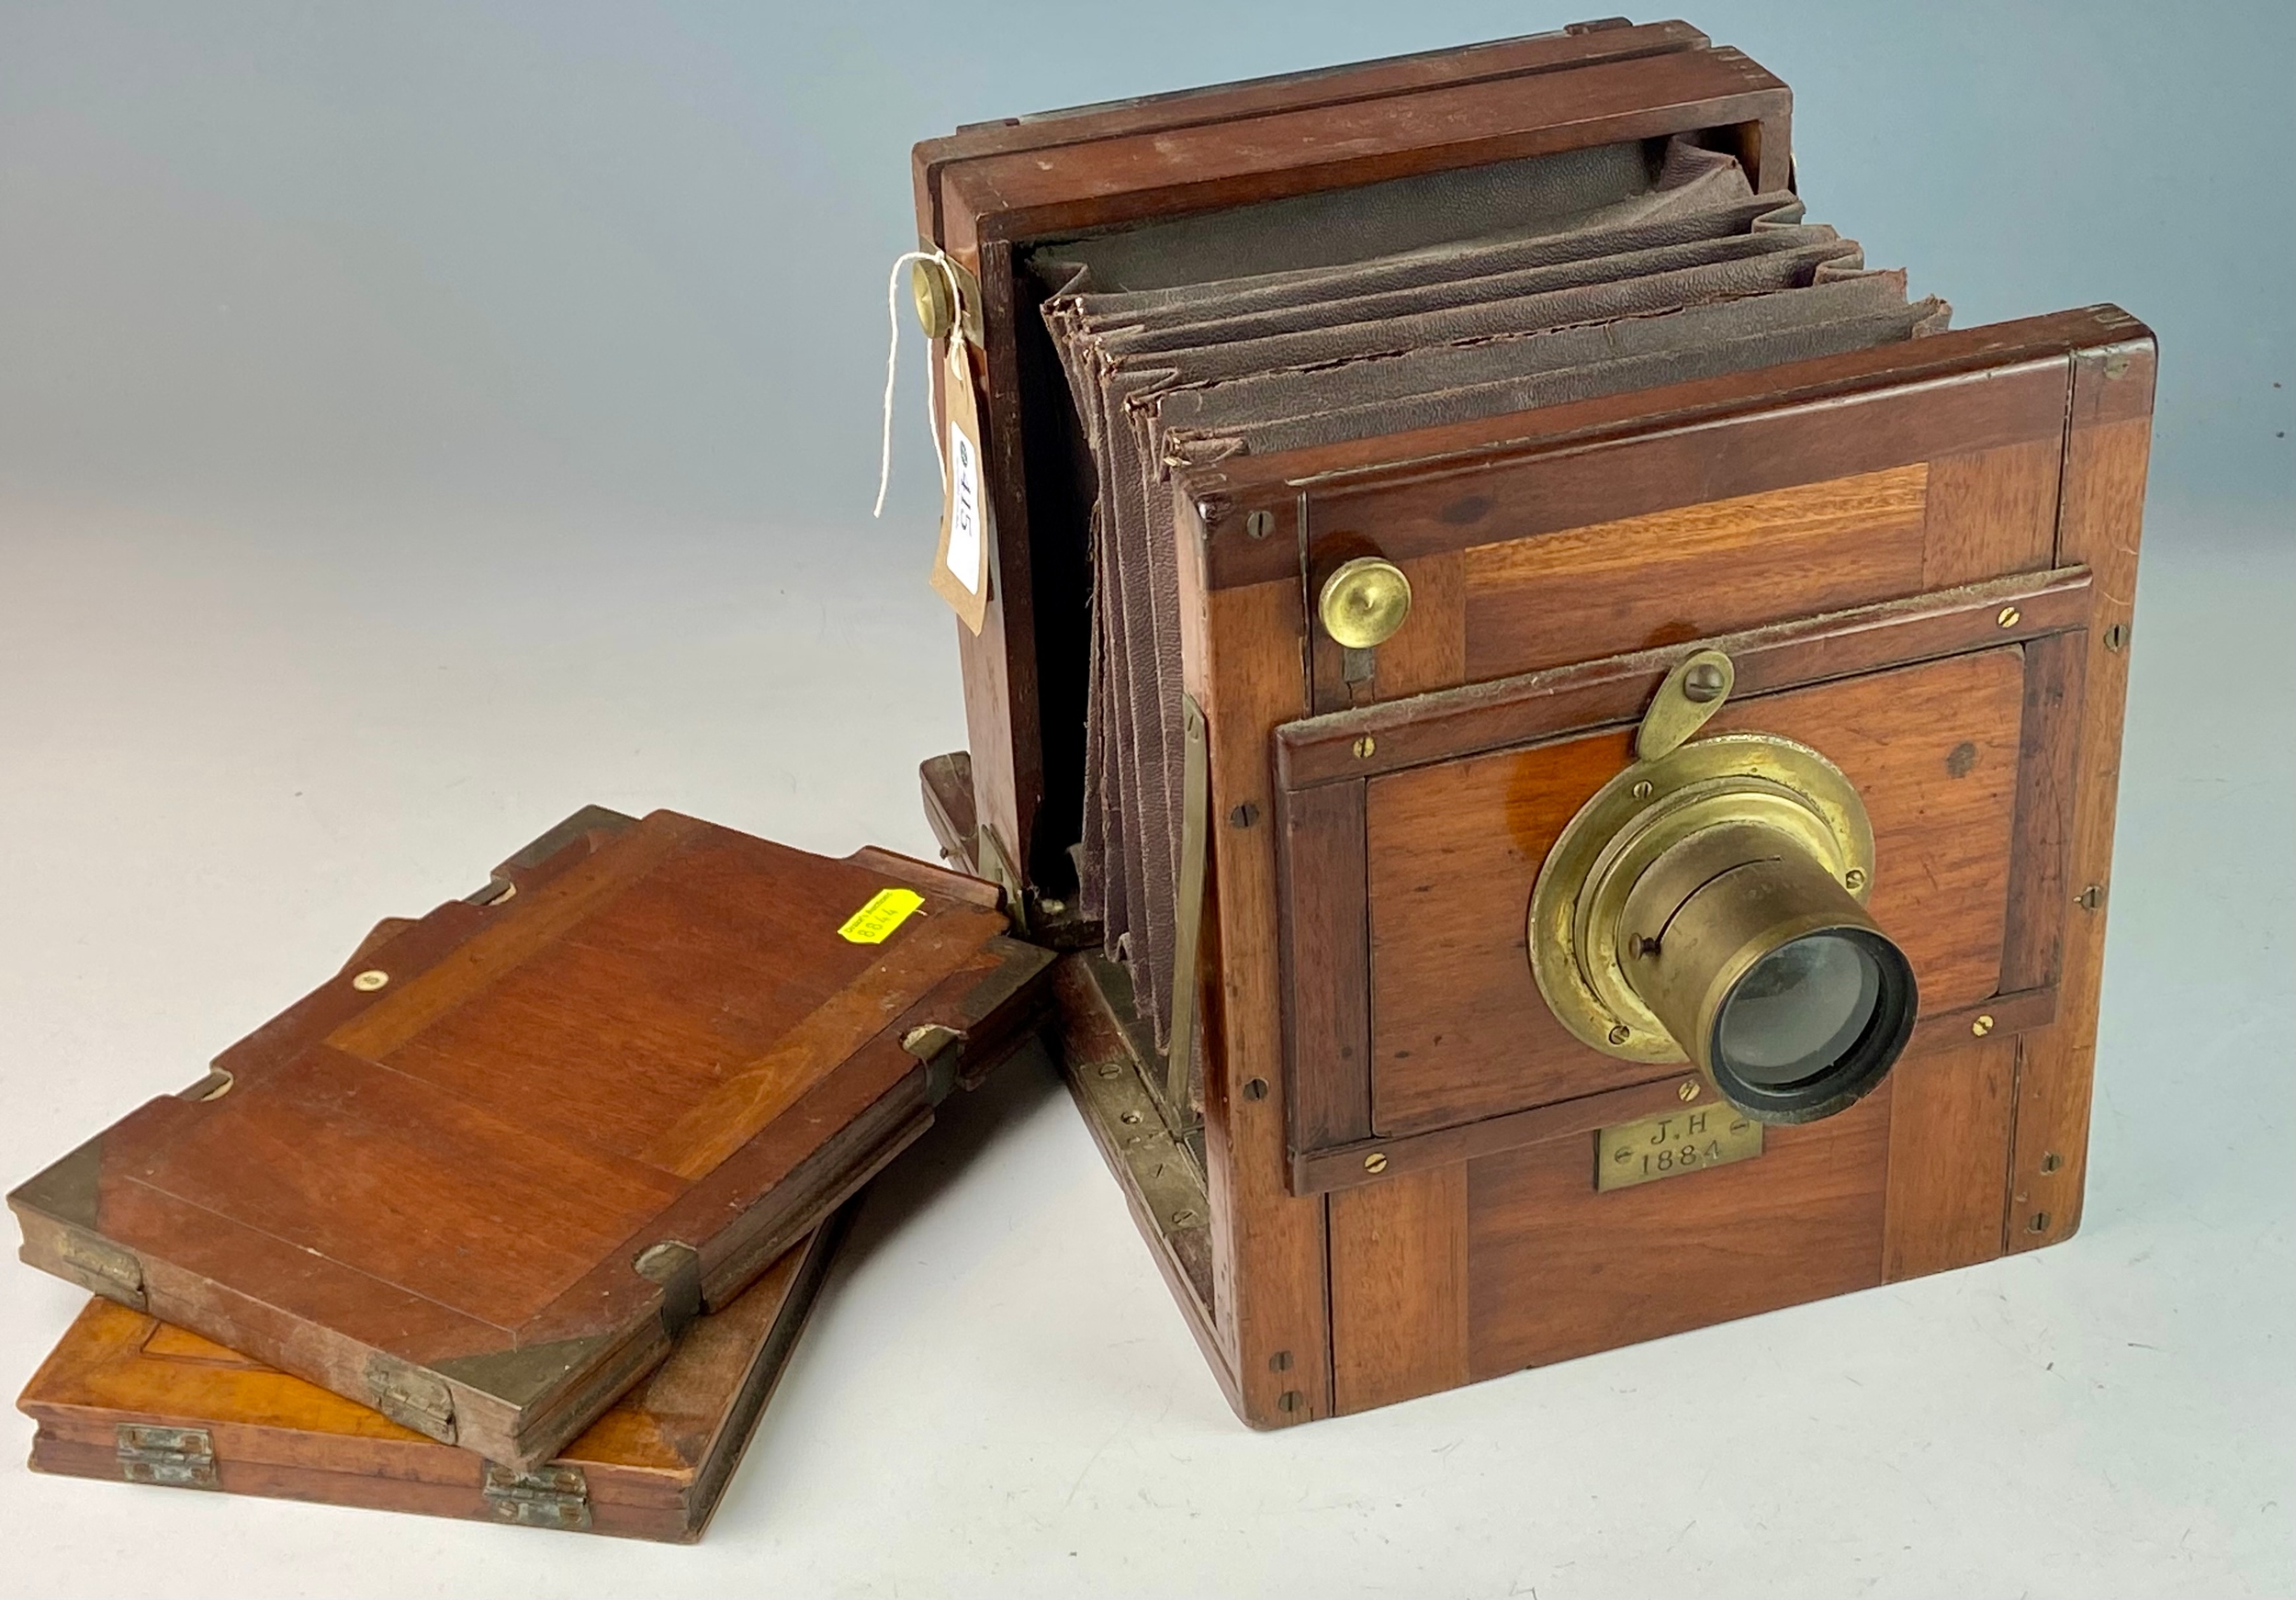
x=1794, y=799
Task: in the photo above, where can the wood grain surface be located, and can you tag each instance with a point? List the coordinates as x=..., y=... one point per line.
x=1458, y=1029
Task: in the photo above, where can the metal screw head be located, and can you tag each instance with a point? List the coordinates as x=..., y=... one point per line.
x=1364, y=602
x=1184, y=1219
x=1983, y=1025
x=2010, y=616
x=1689, y=1091
x=2088, y=899
x=1254, y=1089
x=1243, y=816
x=1107, y=1069
x=367, y=982
x=2051, y=1161
x=1704, y=682
x=1364, y=746
x=1620, y=1033
x=1642, y=789
x=2117, y=637
x=1375, y=1161
x=1129, y=1118
x=1854, y=878
x=1259, y=523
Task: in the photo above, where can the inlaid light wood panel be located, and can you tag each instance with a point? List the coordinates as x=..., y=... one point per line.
x=1458, y=1029
x=1694, y=571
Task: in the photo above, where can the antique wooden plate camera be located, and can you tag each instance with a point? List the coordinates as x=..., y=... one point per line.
x=1542, y=741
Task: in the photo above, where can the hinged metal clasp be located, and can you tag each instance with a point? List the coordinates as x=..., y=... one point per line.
x=410, y=1397
x=1692, y=694
x=548, y=1497
x=179, y=1458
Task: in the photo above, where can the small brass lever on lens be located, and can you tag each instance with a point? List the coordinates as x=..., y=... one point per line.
x=1708, y=905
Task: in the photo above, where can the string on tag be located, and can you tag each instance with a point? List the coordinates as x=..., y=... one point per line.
x=942, y=264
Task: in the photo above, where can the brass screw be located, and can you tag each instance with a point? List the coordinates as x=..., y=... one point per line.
x=2088, y=899
x=1259, y=523
x=1129, y=1118
x=1182, y=1219
x=1702, y=683
x=2051, y=1161
x=1983, y=1025
x=1620, y=1033
x=1280, y=1361
x=1289, y=1400
x=1107, y=1069
x=1364, y=747
x=1375, y=1161
x=1689, y=1091
x=2040, y=1223
x=1853, y=879
x=1254, y=1089
x=1642, y=790
x=367, y=982
x=2010, y=616
x=2116, y=636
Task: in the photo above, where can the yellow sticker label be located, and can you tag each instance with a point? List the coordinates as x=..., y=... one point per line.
x=886, y=910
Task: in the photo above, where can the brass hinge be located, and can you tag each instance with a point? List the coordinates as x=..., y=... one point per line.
x=180, y=1458
x=103, y=1266
x=410, y=1397
x=550, y=1497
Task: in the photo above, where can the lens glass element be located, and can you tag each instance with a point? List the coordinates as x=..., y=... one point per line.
x=1798, y=1010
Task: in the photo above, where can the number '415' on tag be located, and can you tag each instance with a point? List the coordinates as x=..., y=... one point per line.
x=960, y=569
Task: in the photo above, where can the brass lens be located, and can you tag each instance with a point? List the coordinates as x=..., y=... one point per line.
x=1767, y=971
x=1706, y=904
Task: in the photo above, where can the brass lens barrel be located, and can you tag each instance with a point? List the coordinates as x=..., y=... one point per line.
x=1767, y=971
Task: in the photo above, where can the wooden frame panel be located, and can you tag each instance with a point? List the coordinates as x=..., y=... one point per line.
x=1556, y=710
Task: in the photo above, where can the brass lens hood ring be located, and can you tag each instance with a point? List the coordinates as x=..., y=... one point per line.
x=1762, y=767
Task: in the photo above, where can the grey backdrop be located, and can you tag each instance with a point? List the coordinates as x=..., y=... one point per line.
x=631, y=256
x=418, y=421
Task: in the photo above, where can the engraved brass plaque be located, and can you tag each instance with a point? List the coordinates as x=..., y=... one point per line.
x=1690, y=1140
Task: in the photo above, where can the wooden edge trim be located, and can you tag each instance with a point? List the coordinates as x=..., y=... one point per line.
x=1225, y=493
x=1525, y=55
x=1348, y=1165
x=1450, y=723
x=2049, y=735
x=1323, y=920
x=972, y=219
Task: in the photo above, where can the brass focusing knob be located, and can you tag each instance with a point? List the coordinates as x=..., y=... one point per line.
x=1363, y=602
x=929, y=292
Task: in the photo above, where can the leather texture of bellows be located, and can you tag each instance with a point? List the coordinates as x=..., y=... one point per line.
x=1315, y=320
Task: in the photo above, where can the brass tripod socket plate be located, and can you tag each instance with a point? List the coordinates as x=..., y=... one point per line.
x=1751, y=780
x=1363, y=602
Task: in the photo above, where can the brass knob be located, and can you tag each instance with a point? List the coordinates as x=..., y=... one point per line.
x=1363, y=602
x=936, y=306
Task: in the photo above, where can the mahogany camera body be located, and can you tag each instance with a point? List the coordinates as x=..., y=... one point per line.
x=1387, y=1174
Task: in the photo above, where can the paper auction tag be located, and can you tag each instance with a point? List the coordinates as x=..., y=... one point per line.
x=961, y=567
